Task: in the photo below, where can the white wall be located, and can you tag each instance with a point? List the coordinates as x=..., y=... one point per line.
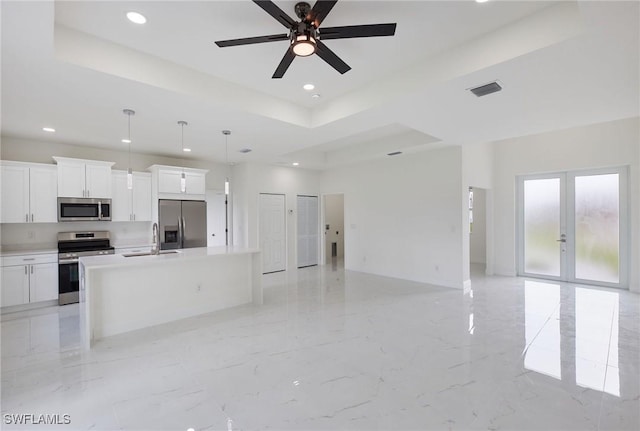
x=478, y=236
x=403, y=216
x=615, y=143
x=251, y=179
x=334, y=217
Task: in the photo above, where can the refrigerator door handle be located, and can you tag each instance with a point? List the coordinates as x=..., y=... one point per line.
x=179, y=232
x=184, y=230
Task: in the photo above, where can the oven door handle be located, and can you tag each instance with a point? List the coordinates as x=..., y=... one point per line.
x=67, y=261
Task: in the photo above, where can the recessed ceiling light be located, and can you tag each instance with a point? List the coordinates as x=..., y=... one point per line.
x=308, y=87
x=136, y=17
x=126, y=141
x=186, y=150
x=481, y=1
x=295, y=163
x=49, y=129
x=316, y=96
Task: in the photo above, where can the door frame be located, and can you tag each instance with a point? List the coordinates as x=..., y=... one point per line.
x=567, y=221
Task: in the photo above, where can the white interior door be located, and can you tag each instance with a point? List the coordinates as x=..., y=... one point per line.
x=215, y=218
x=573, y=226
x=307, y=231
x=272, y=232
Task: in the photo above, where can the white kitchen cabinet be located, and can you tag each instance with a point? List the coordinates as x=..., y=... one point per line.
x=29, y=278
x=141, y=196
x=43, y=282
x=131, y=205
x=15, y=285
x=29, y=193
x=169, y=177
x=79, y=178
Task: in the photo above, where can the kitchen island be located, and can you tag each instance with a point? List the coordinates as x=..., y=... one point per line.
x=122, y=293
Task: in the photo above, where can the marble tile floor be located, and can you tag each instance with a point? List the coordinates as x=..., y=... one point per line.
x=337, y=350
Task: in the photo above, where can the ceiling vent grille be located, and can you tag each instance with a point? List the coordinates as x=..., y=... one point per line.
x=483, y=90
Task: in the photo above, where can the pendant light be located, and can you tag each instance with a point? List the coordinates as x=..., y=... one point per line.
x=129, y=113
x=226, y=134
x=183, y=179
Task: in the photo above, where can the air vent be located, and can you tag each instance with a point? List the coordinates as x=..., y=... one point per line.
x=483, y=90
x=245, y=150
x=395, y=153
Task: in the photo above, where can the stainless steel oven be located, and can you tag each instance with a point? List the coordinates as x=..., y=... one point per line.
x=71, y=247
x=84, y=209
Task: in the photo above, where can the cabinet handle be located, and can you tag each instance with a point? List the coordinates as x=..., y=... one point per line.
x=31, y=217
x=134, y=217
x=25, y=270
x=31, y=258
x=31, y=268
x=26, y=218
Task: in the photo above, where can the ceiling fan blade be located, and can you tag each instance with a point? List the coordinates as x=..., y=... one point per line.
x=273, y=10
x=330, y=57
x=284, y=64
x=320, y=10
x=349, y=31
x=252, y=40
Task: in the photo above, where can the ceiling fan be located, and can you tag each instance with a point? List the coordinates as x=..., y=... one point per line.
x=304, y=35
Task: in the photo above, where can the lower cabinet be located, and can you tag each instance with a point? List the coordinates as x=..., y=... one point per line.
x=29, y=278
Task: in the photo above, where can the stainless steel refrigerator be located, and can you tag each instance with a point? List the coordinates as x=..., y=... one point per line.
x=183, y=224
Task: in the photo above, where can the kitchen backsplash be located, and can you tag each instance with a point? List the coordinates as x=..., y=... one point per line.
x=45, y=235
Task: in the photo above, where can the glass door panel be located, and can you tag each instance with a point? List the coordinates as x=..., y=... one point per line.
x=573, y=226
x=542, y=224
x=597, y=228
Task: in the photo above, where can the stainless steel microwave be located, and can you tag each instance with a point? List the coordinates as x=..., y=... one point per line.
x=84, y=209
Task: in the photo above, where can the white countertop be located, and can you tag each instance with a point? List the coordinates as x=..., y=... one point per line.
x=21, y=250
x=116, y=260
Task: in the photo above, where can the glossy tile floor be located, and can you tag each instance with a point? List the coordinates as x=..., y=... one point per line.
x=340, y=350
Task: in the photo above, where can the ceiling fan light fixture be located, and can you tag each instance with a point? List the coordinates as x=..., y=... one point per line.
x=303, y=45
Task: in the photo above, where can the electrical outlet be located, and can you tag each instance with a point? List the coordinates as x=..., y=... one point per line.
x=31, y=234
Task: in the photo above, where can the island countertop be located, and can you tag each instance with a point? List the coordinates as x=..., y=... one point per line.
x=120, y=294
x=165, y=256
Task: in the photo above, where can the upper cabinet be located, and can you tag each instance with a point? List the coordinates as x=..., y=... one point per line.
x=168, y=180
x=79, y=178
x=29, y=193
x=134, y=204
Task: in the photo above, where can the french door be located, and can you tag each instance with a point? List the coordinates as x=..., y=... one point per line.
x=573, y=226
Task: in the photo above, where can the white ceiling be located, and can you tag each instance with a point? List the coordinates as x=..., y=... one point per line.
x=76, y=65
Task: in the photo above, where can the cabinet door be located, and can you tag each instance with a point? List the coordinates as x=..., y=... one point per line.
x=15, y=285
x=98, y=179
x=43, y=191
x=15, y=194
x=141, y=197
x=71, y=183
x=121, y=197
x=43, y=284
x=169, y=181
x=195, y=184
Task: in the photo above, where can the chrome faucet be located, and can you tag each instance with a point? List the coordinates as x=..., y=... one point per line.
x=156, y=240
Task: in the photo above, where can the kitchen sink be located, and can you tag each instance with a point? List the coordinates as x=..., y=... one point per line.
x=150, y=254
